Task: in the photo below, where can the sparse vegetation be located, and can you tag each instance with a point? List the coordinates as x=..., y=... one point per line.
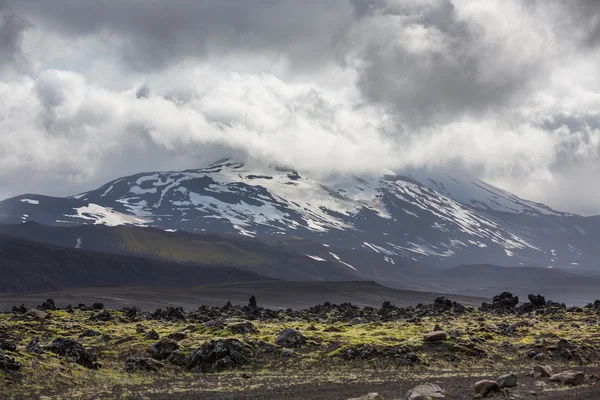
x=163, y=351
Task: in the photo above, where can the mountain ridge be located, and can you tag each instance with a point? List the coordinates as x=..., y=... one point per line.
x=420, y=217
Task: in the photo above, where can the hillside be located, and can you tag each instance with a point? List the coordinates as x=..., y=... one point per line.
x=411, y=217
x=32, y=266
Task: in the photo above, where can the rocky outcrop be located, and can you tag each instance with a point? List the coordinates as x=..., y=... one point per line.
x=290, y=338
x=162, y=349
x=218, y=355
x=73, y=351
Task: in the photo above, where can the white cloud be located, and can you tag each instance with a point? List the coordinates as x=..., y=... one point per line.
x=505, y=89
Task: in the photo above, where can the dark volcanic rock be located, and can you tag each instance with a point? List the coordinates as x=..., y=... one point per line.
x=162, y=349
x=74, y=351
x=486, y=388
x=502, y=302
x=242, y=327
x=34, y=346
x=290, y=338
x=103, y=315
x=47, y=305
x=218, y=355
x=7, y=344
x=8, y=364
x=133, y=313
x=538, y=301
x=152, y=335
x=135, y=364
x=176, y=336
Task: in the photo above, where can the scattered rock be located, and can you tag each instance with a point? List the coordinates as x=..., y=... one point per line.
x=162, y=349
x=141, y=329
x=135, y=364
x=177, y=358
x=8, y=364
x=103, y=315
x=287, y=353
x=507, y=381
x=105, y=338
x=152, y=335
x=241, y=328
x=36, y=314
x=176, y=336
x=98, y=306
x=486, y=387
x=74, y=351
x=369, y=396
x=502, y=302
x=425, y=392
x=89, y=333
x=569, y=378
x=133, y=313
x=34, y=346
x=8, y=345
x=538, y=301
x=47, y=305
x=290, y=338
x=542, y=371
x=218, y=355
x=435, y=336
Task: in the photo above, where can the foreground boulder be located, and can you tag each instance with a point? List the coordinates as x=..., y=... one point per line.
x=542, y=371
x=136, y=364
x=425, y=392
x=218, y=355
x=486, y=388
x=369, y=396
x=435, y=336
x=8, y=364
x=290, y=338
x=74, y=351
x=569, y=378
x=162, y=349
x=507, y=381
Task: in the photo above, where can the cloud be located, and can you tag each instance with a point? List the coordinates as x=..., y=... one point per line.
x=507, y=90
x=12, y=28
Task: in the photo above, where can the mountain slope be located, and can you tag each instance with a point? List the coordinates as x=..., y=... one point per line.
x=31, y=266
x=418, y=217
x=275, y=260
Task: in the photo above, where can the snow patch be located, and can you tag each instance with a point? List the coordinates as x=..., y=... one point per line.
x=29, y=201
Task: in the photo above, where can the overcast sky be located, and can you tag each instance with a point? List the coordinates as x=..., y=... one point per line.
x=507, y=90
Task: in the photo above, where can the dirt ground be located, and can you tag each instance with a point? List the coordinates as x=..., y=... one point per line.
x=455, y=388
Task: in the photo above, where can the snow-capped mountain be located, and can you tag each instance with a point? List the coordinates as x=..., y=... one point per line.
x=430, y=218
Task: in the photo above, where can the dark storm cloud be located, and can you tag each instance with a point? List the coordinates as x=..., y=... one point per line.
x=507, y=89
x=11, y=32
x=154, y=33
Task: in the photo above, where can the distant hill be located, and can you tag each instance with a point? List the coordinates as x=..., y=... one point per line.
x=273, y=258
x=31, y=266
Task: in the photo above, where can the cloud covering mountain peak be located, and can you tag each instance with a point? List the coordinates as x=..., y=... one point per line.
x=504, y=89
